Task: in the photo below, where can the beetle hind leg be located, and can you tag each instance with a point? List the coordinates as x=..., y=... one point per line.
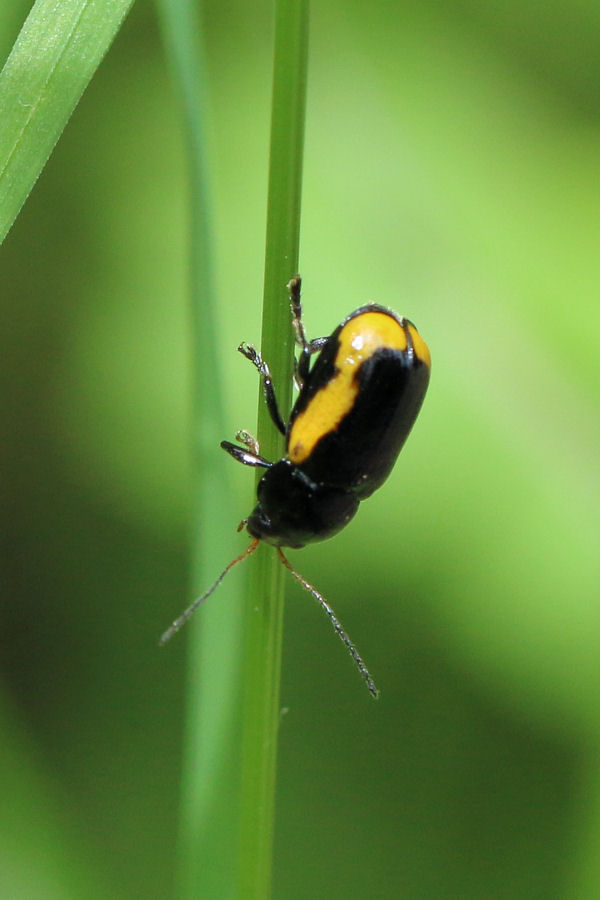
x=301, y=365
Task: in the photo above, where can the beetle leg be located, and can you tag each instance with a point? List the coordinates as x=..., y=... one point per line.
x=294, y=286
x=245, y=456
x=248, y=440
x=251, y=353
x=302, y=365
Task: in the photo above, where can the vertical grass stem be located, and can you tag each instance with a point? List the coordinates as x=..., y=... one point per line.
x=264, y=610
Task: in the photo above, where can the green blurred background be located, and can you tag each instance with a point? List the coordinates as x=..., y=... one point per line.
x=451, y=172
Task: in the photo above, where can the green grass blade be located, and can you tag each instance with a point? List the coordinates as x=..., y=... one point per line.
x=210, y=778
x=264, y=612
x=57, y=52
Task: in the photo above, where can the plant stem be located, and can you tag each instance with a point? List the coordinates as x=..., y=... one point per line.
x=264, y=611
x=210, y=777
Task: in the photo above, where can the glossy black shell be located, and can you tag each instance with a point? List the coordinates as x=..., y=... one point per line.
x=313, y=500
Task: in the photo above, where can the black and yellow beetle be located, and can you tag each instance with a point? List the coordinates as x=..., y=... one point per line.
x=356, y=407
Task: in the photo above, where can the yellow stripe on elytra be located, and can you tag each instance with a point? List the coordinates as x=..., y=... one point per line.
x=358, y=340
x=420, y=347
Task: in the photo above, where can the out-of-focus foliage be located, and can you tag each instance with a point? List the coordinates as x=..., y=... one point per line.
x=451, y=172
x=58, y=51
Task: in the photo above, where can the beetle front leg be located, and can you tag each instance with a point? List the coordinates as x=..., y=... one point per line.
x=248, y=440
x=245, y=456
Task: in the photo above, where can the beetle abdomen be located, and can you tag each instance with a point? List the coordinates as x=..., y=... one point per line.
x=360, y=401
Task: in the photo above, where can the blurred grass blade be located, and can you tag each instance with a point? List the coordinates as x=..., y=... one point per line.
x=264, y=610
x=43, y=849
x=210, y=778
x=58, y=50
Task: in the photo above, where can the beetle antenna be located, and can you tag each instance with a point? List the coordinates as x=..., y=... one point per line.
x=337, y=625
x=194, y=606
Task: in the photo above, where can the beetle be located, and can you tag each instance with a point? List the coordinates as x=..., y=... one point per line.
x=356, y=406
